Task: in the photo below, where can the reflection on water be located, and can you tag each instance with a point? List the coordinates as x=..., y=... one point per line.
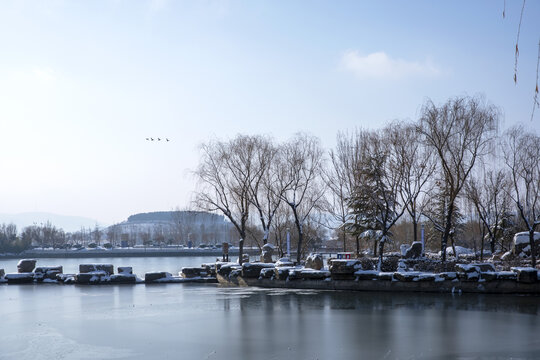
x=209, y=322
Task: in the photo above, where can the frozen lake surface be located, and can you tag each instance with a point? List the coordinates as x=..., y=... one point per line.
x=194, y=321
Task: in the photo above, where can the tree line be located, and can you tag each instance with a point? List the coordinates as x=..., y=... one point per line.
x=449, y=168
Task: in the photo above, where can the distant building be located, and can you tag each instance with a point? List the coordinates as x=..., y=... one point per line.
x=173, y=228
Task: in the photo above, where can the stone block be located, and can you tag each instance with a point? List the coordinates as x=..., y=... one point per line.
x=344, y=267
x=193, y=272
x=87, y=268
x=125, y=270
x=526, y=275
x=267, y=273
x=153, y=276
x=253, y=270
x=20, y=278
x=26, y=265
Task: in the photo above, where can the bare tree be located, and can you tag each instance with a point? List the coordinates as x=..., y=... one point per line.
x=340, y=181
x=226, y=174
x=521, y=154
x=459, y=132
x=488, y=194
x=265, y=190
x=417, y=165
x=302, y=161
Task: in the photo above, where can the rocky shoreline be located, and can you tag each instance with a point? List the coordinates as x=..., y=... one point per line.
x=345, y=275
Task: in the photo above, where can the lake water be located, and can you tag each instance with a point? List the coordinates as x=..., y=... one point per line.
x=206, y=321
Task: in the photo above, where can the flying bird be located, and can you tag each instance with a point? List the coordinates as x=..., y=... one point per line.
x=158, y=139
x=167, y=139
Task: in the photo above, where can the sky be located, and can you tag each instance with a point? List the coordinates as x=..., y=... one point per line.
x=84, y=83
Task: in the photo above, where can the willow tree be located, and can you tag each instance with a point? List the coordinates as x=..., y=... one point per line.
x=302, y=162
x=459, y=132
x=226, y=174
x=522, y=153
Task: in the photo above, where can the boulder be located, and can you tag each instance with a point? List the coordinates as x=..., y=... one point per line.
x=522, y=246
x=282, y=273
x=2, y=273
x=314, y=261
x=123, y=278
x=415, y=251
x=527, y=275
x=386, y=276
x=468, y=272
x=267, y=253
x=125, y=270
x=284, y=262
x=193, y=272
x=344, y=269
x=47, y=272
x=93, y=277
x=87, y=268
x=226, y=268
x=253, y=270
x=20, y=278
x=267, y=273
x=26, y=265
x=150, y=277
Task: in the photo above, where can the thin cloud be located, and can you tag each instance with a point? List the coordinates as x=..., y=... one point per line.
x=379, y=65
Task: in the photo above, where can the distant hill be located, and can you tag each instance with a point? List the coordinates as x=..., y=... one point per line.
x=67, y=223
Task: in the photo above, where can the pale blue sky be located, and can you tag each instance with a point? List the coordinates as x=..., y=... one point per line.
x=83, y=83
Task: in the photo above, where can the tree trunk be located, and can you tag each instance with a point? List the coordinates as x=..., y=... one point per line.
x=533, y=247
x=415, y=229
x=374, y=248
x=344, y=241
x=447, y=228
x=357, y=246
x=240, y=251
x=482, y=244
x=381, y=250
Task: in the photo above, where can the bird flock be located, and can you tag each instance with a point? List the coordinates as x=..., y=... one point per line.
x=156, y=139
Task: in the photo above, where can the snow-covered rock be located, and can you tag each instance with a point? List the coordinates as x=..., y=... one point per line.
x=43, y=273
x=314, y=261
x=527, y=275
x=415, y=251
x=285, y=261
x=344, y=269
x=522, y=246
x=152, y=277
x=193, y=272
x=267, y=253
x=19, y=278
x=460, y=250
x=87, y=268
x=253, y=270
